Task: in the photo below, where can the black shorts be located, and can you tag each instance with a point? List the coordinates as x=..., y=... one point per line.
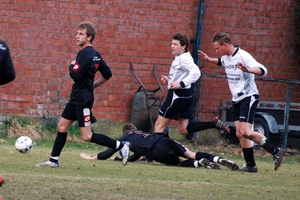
x=168, y=151
x=178, y=104
x=244, y=110
x=82, y=114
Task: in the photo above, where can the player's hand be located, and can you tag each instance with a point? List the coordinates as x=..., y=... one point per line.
x=203, y=55
x=175, y=85
x=242, y=67
x=164, y=79
x=73, y=62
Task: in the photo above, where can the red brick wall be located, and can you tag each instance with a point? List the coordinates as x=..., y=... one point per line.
x=263, y=28
x=41, y=37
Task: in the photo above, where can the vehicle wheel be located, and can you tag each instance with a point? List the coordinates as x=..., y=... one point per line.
x=261, y=126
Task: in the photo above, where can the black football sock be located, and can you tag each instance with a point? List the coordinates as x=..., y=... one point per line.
x=104, y=140
x=199, y=126
x=249, y=156
x=200, y=155
x=190, y=163
x=58, y=145
x=269, y=146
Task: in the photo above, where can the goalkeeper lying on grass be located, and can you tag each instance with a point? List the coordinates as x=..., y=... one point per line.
x=162, y=149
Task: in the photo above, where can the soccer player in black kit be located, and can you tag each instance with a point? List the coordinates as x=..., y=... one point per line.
x=7, y=71
x=162, y=149
x=82, y=71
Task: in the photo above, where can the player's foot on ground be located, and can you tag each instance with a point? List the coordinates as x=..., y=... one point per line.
x=212, y=165
x=204, y=162
x=246, y=168
x=208, y=165
x=85, y=156
x=125, y=153
x=278, y=158
x=220, y=125
x=229, y=164
x=48, y=163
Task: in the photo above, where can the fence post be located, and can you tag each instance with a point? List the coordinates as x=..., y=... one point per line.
x=286, y=116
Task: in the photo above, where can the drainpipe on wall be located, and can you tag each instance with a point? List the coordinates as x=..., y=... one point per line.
x=197, y=41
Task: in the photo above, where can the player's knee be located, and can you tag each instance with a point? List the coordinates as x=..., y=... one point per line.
x=61, y=128
x=182, y=131
x=244, y=132
x=86, y=136
x=239, y=134
x=63, y=125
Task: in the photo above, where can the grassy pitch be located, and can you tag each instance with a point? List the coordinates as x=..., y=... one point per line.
x=85, y=179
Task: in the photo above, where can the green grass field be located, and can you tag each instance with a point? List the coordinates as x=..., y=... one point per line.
x=86, y=179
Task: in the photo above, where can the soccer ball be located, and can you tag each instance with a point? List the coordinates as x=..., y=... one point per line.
x=24, y=144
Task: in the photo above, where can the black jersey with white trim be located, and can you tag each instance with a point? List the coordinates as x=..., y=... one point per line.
x=140, y=144
x=88, y=62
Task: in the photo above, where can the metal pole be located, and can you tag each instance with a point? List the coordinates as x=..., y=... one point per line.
x=286, y=116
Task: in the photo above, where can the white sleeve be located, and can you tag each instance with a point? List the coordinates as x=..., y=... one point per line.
x=252, y=63
x=194, y=74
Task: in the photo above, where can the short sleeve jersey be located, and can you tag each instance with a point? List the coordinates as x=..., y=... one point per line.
x=241, y=84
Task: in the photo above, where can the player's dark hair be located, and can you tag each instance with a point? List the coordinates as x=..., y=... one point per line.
x=182, y=38
x=128, y=128
x=90, y=29
x=222, y=38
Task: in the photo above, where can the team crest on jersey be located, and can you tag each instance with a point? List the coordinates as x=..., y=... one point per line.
x=76, y=67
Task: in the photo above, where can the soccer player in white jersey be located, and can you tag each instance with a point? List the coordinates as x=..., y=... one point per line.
x=241, y=68
x=183, y=72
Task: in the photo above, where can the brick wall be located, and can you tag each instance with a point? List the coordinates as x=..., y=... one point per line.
x=263, y=28
x=41, y=35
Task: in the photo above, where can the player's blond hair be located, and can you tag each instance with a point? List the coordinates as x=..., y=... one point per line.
x=222, y=38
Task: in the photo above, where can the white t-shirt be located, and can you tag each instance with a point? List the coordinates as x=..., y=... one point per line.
x=241, y=84
x=184, y=69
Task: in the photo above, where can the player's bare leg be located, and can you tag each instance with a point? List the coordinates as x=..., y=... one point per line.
x=160, y=124
x=181, y=125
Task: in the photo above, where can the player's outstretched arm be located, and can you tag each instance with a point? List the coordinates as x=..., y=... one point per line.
x=207, y=58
